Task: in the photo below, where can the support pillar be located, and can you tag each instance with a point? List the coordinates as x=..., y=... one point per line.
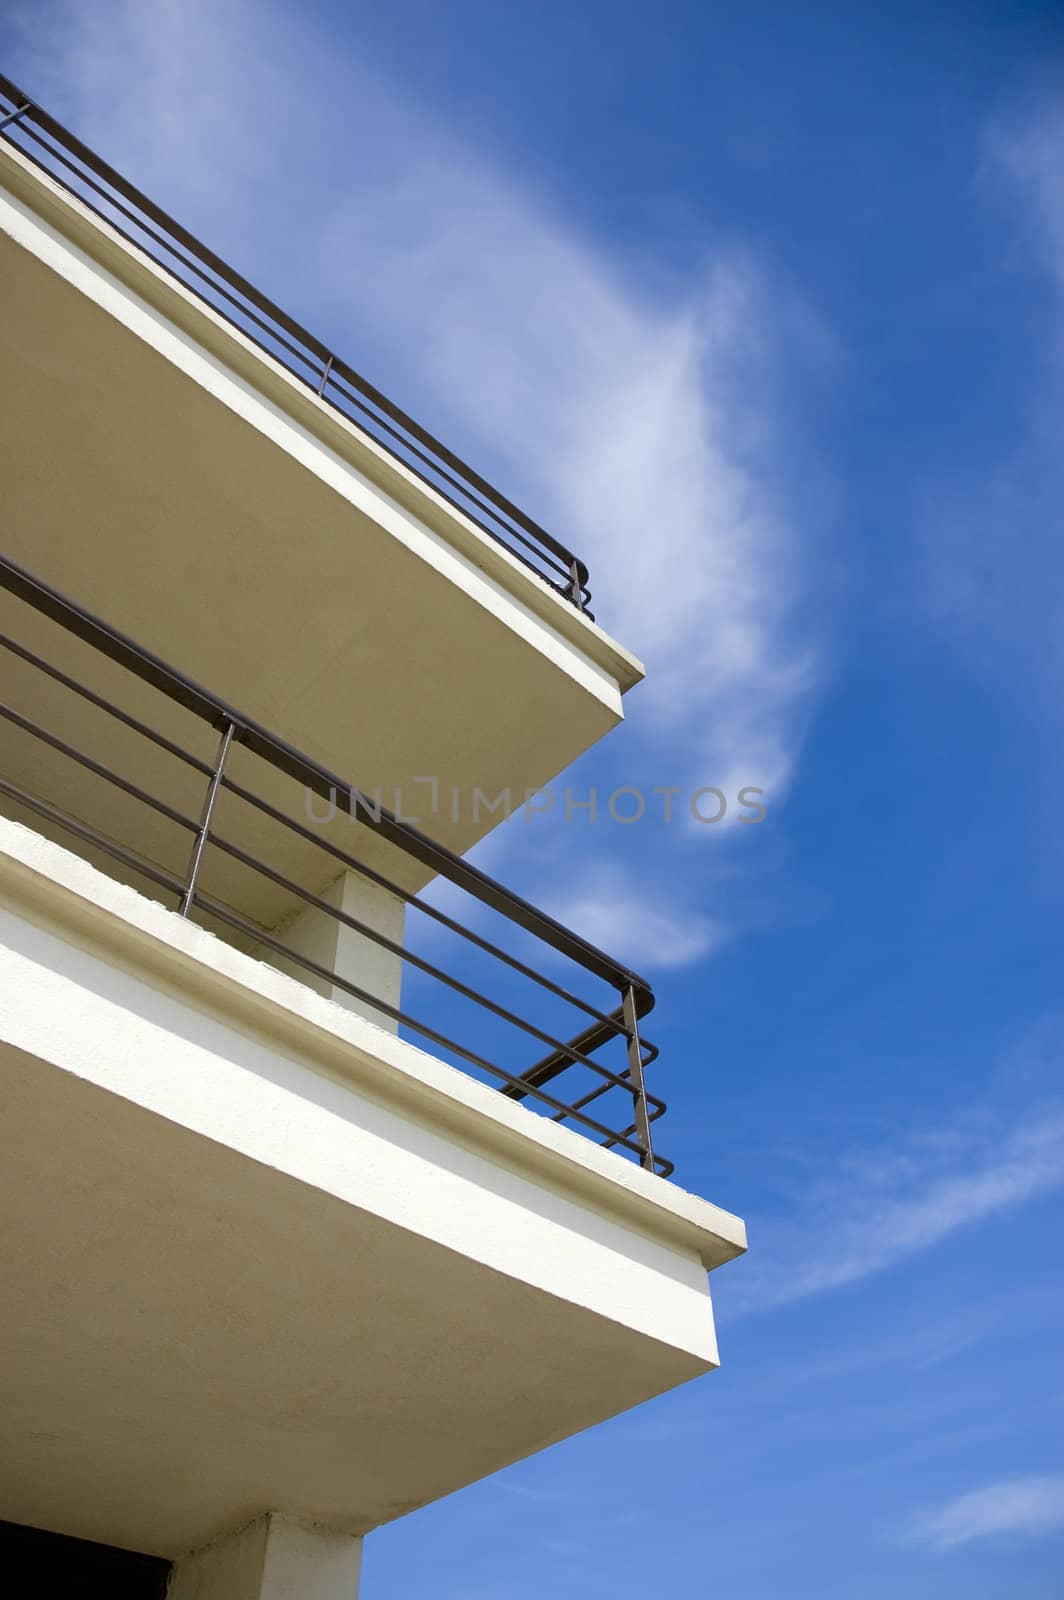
x=351, y=955
x=275, y=1558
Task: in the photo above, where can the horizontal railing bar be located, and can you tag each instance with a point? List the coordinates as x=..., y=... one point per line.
x=353, y=399
x=253, y=931
x=216, y=909
x=619, y=1138
x=227, y=846
x=16, y=114
x=665, y=1166
x=653, y=1100
x=591, y=1039
x=462, y=505
x=327, y=785
x=551, y=1066
x=238, y=790
x=659, y=1108
x=631, y=1128
x=657, y=1105
x=96, y=163
x=91, y=835
x=275, y=339
x=262, y=304
x=625, y=1082
x=516, y=1086
x=103, y=704
x=134, y=790
x=412, y=899
x=150, y=668
x=554, y=1064
x=190, y=266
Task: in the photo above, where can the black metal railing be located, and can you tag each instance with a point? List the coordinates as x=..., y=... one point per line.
x=73, y=670
x=151, y=230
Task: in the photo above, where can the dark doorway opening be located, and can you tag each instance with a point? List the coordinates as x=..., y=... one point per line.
x=35, y=1563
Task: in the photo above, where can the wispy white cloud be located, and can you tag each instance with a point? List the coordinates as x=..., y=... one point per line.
x=610, y=412
x=879, y=1207
x=1023, y=1507
x=636, y=920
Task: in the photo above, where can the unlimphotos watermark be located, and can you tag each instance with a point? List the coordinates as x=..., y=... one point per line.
x=625, y=805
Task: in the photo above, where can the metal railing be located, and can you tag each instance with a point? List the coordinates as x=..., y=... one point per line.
x=151, y=230
x=602, y=1089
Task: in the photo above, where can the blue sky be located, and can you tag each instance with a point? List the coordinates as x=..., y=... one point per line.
x=761, y=308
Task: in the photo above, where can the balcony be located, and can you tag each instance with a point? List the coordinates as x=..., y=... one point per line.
x=331, y=1169
x=143, y=224
x=222, y=813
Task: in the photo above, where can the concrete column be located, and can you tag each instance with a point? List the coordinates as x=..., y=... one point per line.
x=275, y=1558
x=332, y=944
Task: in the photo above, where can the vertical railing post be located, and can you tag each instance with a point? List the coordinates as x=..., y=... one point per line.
x=576, y=584
x=635, y=1072
x=189, y=897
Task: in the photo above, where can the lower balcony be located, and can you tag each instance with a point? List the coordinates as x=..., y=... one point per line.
x=323, y=1196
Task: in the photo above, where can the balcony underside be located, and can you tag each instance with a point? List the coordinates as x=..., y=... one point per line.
x=258, y=1254
x=191, y=1338
x=221, y=513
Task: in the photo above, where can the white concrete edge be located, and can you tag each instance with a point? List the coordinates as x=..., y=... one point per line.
x=438, y=523
x=54, y=887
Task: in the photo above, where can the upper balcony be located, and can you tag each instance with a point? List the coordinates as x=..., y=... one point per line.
x=193, y=465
